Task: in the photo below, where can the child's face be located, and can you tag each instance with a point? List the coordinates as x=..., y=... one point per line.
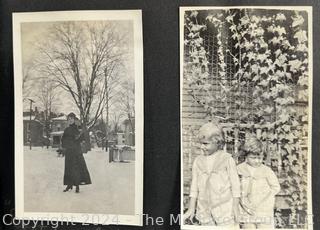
x=209, y=145
x=254, y=160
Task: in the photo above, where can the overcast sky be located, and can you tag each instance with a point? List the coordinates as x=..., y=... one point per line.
x=34, y=33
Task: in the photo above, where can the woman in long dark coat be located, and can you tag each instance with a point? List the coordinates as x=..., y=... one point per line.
x=75, y=170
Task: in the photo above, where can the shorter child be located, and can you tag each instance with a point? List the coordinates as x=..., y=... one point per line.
x=259, y=185
x=215, y=186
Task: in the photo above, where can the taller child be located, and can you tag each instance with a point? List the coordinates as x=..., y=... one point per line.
x=215, y=186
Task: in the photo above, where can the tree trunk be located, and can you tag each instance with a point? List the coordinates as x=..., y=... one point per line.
x=86, y=138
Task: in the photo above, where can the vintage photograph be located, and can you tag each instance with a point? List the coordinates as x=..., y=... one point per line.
x=79, y=115
x=246, y=113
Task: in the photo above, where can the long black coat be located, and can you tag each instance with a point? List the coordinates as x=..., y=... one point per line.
x=75, y=170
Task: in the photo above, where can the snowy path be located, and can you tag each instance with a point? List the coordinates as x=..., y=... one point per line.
x=111, y=191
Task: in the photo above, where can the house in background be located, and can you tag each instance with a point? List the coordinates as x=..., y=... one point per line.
x=121, y=138
x=58, y=125
x=129, y=134
x=32, y=130
x=127, y=137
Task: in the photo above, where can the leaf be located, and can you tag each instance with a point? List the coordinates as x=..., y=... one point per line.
x=264, y=19
x=233, y=28
x=272, y=136
x=262, y=57
x=270, y=29
x=263, y=45
x=256, y=78
x=280, y=17
x=222, y=65
x=250, y=55
x=303, y=95
x=264, y=70
x=248, y=45
x=302, y=47
x=303, y=81
x=289, y=76
x=255, y=68
x=266, y=95
x=290, y=137
x=244, y=20
x=268, y=110
x=295, y=196
x=264, y=83
x=301, y=35
x=286, y=44
x=274, y=78
x=289, y=148
x=275, y=40
x=194, y=13
x=297, y=20
x=260, y=31
x=294, y=65
x=285, y=162
x=229, y=18
x=286, y=128
x=197, y=28
x=281, y=30
x=239, y=72
x=214, y=20
x=278, y=52
x=283, y=118
x=255, y=19
x=282, y=59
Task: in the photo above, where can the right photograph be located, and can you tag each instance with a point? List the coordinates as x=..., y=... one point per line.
x=246, y=117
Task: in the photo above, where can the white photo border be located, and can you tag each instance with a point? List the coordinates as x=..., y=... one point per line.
x=104, y=219
x=308, y=9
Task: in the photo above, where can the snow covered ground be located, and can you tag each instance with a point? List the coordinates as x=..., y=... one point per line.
x=111, y=191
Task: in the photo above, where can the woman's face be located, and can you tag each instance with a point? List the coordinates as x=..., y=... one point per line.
x=71, y=120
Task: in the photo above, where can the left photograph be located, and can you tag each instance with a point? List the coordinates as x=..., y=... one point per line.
x=79, y=116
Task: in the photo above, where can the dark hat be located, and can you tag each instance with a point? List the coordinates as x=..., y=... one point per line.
x=72, y=115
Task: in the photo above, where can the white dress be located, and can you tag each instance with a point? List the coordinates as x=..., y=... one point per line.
x=215, y=180
x=258, y=189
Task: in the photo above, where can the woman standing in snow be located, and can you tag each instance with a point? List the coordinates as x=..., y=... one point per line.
x=75, y=171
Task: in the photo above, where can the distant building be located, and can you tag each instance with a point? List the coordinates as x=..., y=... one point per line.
x=121, y=138
x=32, y=131
x=58, y=125
x=128, y=136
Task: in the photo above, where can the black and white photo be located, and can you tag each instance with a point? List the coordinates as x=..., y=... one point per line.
x=79, y=116
x=246, y=109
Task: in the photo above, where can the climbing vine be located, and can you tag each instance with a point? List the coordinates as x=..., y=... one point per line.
x=267, y=87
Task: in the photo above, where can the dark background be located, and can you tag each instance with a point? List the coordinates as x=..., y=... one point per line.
x=161, y=99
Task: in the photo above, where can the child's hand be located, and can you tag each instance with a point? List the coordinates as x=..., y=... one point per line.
x=251, y=210
x=248, y=206
x=236, y=210
x=189, y=214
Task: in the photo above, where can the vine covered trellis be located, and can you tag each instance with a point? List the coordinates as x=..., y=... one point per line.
x=249, y=69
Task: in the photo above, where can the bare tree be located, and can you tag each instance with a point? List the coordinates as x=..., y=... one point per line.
x=127, y=101
x=112, y=82
x=47, y=95
x=27, y=78
x=76, y=56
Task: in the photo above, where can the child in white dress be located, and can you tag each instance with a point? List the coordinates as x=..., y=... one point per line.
x=259, y=185
x=215, y=186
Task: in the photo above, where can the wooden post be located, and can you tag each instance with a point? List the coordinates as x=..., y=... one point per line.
x=31, y=101
x=236, y=143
